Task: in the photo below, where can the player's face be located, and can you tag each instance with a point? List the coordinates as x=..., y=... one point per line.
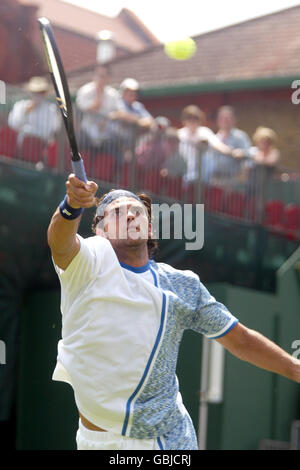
x=126, y=220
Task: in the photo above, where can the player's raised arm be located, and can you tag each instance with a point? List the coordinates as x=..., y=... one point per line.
x=253, y=347
x=64, y=224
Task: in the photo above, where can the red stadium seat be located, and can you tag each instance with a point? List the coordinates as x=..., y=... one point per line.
x=234, y=204
x=52, y=155
x=273, y=213
x=8, y=142
x=250, y=209
x=172, y=187
x=291, y=217
x=214, y=198
x=124, y=178
x=103, y=167
x=32, y=149
x=189, y=193
x=150, y=180
x=67, y=158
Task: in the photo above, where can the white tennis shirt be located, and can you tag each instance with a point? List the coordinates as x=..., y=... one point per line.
x=121, y=331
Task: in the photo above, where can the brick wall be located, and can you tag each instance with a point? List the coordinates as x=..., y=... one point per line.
x=275, y=110
x=19, y=57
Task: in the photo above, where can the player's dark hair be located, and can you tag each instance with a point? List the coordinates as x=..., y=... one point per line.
x=152, y=244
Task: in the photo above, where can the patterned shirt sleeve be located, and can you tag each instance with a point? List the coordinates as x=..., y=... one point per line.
x=211, y=317
x=194, y=306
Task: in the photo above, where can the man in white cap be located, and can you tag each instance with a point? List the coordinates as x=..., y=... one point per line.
x=131, y=119
x=35, y=116
x=131, y=110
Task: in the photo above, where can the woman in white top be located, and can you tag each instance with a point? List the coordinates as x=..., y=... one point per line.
x=197, y=139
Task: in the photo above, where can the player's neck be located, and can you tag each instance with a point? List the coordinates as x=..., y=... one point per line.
x=133, y=256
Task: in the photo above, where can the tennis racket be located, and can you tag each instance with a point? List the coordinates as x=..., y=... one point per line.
x=62, y=93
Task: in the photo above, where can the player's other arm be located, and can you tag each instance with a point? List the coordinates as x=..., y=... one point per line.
x=62, y=238
x=253, y=347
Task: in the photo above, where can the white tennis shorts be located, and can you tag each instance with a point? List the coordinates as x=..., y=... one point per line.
x=97, y=440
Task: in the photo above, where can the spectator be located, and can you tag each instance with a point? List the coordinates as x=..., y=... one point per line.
x=162, y=122
x=131, y=118
x=97, y=100
x=195, y=139
x=131, y=111
x=35, y=116
x=224, y=167
x=229, y=134
x=265, y=151
x=150, y=151
x=259, y=171
x=174, y=164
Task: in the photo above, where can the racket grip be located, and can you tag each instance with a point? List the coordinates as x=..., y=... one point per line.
x=79, y=171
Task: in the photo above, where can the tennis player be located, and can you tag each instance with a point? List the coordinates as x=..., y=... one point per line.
x=123, y=316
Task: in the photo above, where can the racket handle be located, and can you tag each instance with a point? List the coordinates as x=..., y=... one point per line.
x=79, y=171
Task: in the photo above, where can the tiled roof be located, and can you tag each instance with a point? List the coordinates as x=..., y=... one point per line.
x=268, y=46
x=88, y=23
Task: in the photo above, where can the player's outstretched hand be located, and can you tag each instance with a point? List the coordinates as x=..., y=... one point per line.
x=81, y=194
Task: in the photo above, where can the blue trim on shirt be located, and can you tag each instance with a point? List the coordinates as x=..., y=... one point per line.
x=163, y=312
x=225, y=332
x=140, y=269
x=154, y=276
x=160, y=444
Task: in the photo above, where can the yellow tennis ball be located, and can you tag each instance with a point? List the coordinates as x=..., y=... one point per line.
x=181, y=50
